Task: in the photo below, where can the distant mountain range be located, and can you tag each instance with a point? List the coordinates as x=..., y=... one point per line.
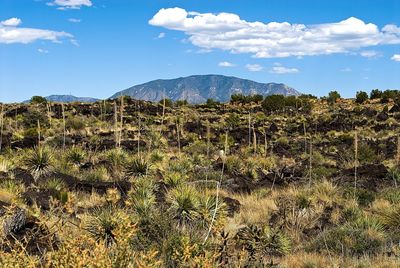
x=67, y=98
x=194, y=89
x=199, y=88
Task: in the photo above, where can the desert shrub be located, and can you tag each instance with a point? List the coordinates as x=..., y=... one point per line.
x=75, y=123
x=39, y=161
x=273, y=103
x=375, y=94
x=361, y=97
x=38, y=100
x=96, y=174
x=168, y=102
x=363, y=236
x=30, y=120
x=333, y=96
x=232, y=121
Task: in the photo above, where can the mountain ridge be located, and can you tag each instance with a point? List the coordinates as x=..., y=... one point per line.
x=199, y=88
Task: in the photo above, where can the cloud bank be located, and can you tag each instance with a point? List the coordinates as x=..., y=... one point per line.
x=227, y=31
x=10, y=33
x=70, y=4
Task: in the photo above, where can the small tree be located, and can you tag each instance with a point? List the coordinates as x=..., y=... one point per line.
x=333, y=96
x=375, y=94
x=361, y=97
x=273, y=103
x=38, y=100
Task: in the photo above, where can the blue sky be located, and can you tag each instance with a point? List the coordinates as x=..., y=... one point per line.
x=97, y=47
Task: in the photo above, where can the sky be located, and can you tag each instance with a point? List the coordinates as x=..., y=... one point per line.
x=98, y=47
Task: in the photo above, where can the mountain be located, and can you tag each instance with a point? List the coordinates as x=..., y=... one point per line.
x=67, y=98
x=198, y=88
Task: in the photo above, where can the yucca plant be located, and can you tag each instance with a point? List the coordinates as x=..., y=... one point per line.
x=138, y=166
x=262, y=241
x=142, y=197
x=391, y=218
x=209, y=208
x=39, y=161
x=184, y=204
x=173, y=179
x=76, y=156
x=101, y=224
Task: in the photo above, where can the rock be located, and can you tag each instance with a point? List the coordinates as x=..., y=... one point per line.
x=232, y=204
x=14, y=223
x=382, y=116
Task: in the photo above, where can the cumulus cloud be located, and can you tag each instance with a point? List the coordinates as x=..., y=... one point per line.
x=70, y=4
x=283, y=70
x=14, y=34
x=370, y=54
x=161, y=35
x=395, y=57
x=254, y=67
x=226, y=64
x=229, y=32
x=12, y=22
x=44, y=51
x=347, y=69
x=73, y=20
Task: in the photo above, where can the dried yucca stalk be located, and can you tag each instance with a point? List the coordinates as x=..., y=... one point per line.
x=355, y=158
x=64, y=125
x=1, y=125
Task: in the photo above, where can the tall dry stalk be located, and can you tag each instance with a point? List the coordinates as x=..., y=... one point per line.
x=305, y=136
x=116, y=124
x=38, y=132
x=254, y=140
x=265, y=143
x=163, y=112
x=208, y=138
x=139, y=126
x=398, y=151
x=249, y=130
x=178, y=134
x=1, y=125
x=49, y=113
x=310, y=162
x=355, y=159
x=122, y=121
x=101, y=112
x=64, y=125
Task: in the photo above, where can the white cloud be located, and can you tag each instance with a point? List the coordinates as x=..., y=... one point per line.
x=73, y=20
x=347, y=69
x=12, y=22
x=370, y=54
x=395, y=57
x=229, y=32
x=44, y=51
x=283, y=70
x=226, y=64
x=161, y=35
x=13, y=34
x=254, y=67
x=70, y=4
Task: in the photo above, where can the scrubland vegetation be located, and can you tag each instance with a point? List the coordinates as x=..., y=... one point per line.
x=257, y=182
